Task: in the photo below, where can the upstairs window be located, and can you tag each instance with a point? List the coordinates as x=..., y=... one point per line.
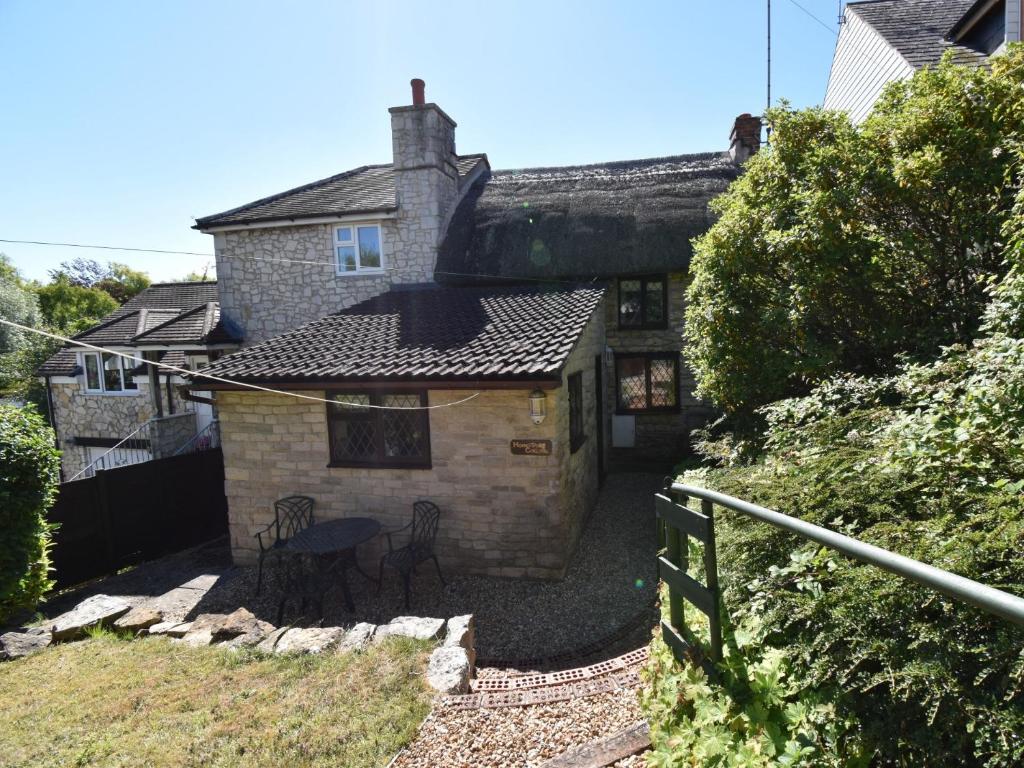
x=643, y=302
x=358, y=249
x=107, y=374
x=576, y=434
x=647, y=383
x=395, y=435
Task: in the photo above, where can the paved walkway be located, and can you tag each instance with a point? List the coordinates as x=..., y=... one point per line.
x=604, y=602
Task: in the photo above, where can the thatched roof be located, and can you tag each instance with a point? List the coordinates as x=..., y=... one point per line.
x=586, y=221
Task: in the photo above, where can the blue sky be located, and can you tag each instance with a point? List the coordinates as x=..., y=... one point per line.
x=121, y=122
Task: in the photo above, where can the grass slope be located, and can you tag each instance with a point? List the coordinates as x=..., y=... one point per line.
x=111, y=702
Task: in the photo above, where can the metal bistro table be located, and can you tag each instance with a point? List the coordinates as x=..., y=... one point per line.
x=332, y=544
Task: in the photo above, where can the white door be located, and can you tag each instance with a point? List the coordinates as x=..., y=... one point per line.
x=105, y=458
x=623, y=431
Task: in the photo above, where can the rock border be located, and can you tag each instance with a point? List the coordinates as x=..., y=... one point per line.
x=451, y=666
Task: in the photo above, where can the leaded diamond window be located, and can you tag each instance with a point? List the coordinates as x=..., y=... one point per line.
x=647, y=382
x=379, y=430
x=642, y=302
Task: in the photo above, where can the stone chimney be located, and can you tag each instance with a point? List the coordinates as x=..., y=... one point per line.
x=426, y=184
x=745, y=138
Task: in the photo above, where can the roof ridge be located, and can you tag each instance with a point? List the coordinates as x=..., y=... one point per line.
x=612, y=163
x=292, y=191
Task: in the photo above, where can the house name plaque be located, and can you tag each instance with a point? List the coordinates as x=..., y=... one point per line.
x=531, y=447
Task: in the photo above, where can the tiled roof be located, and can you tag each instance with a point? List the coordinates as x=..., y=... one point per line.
x=585, y=221
x=435, y=333
x=368, y=189
x=163, y=314
x=917, y=29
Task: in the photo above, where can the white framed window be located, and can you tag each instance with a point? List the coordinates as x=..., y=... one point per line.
x=109, y=374
x=358, y=249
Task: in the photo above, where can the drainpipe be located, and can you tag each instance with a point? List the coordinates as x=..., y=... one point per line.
x=51, y=414
x=154, y=383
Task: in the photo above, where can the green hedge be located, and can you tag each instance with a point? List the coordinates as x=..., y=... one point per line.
x=29, y=475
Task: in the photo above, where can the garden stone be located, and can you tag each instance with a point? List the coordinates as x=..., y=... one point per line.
x=171, y=628
x=311, y=640
x=268, y=643
x=197, y=637
x=241, y=622
x=15, y=645
x=91, y=612
x=449, y=670
x=462, y=634
x=140, y=618
x=357, y=637
x=411, y=626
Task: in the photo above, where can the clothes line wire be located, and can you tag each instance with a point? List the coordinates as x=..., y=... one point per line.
x=105, y=247
x=243, y=384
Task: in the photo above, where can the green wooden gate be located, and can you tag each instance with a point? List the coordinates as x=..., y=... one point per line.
x=676, y=524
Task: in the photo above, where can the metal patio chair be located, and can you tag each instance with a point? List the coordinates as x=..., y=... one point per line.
x=291, y=515
x=425, y=519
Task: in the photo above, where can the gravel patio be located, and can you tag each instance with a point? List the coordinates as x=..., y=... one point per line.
x=606, y=600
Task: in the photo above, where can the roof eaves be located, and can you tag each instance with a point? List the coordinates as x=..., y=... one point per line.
x=292, y=219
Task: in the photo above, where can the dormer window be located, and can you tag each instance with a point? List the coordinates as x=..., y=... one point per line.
x=358, y=249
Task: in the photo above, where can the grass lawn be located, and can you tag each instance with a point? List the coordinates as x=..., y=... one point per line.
x=115, y=702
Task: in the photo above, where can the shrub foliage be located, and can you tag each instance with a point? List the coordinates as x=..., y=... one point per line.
x=29, y=474
x=842, y=247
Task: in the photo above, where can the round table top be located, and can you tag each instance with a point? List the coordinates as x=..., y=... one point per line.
x=334, y=535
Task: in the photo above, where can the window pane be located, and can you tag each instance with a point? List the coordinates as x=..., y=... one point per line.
x=369, y=247
x=351, y=402
x=353, y=439
x=632, y=372
x=92, y=372
x=344, y=234
x=663, y=383
x=655, y=309
x=347, y=258
x=404, y=431
x=112, y=373
x=629, y=302
x=128, y=365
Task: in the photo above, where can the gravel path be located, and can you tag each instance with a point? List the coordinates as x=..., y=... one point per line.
x=517, y=737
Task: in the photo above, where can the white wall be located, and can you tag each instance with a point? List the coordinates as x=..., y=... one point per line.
x=863, y=64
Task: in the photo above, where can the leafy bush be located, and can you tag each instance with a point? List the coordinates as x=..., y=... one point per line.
x=29, y=473
x=844, y=246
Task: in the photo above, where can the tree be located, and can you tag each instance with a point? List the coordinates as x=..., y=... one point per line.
x=118, y=280
x=71, y=308
x=843, y=248
x=18, y=304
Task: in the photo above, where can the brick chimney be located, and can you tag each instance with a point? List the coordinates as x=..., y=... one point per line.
x=745, y=138
x=426, y=183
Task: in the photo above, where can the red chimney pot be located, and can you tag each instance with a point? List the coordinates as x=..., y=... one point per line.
x=418, y=87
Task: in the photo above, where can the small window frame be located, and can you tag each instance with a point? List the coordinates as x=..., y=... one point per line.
x=644, y=324
x=577, y=412
x=353, y=242
x=379, y=460
x=648, y=357
x=125, y=367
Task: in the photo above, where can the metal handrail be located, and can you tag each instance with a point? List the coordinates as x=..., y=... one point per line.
x=995, y=601
x=211, y=430
x=101, y=461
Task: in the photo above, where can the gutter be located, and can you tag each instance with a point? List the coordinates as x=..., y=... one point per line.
x=377, y=385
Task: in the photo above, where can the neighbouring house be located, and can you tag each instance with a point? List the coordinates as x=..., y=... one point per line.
x=882, y=41
x=381, y=298
x=98, y=400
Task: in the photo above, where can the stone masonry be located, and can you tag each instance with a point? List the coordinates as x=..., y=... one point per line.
x=274, y=279
x=658, y=435
x=501, y=514
x=81, y=414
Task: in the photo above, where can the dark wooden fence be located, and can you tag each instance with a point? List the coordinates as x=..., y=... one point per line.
x=131, y=514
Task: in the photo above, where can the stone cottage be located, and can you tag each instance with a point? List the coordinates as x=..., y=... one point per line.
x=98, y=400
x=494, y=341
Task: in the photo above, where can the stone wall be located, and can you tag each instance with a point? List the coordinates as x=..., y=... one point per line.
x=658, y=436
x=168, y=434
x=580, y=479
x=501, y=514
x=266, y=296
x=81, y=414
